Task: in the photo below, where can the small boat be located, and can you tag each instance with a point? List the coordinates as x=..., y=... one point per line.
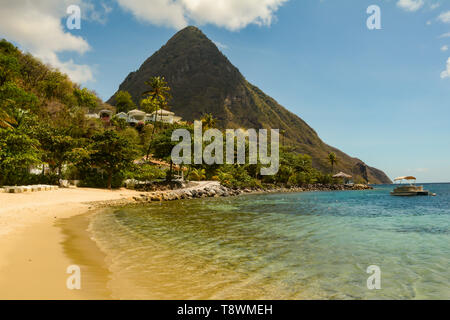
x=410, y=189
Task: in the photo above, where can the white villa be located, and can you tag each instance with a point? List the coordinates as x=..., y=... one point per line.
x=163, y=116
x=138, y=116
x=100, y=115
x=135, y=116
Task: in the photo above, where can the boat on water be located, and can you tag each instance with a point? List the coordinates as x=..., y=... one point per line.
x=410, y=189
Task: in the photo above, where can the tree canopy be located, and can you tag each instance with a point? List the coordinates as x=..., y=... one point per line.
x=124, y=103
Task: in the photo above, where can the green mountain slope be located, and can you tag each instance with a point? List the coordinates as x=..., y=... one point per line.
x=204, y=81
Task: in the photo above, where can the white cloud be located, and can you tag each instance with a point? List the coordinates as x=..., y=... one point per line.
x=160, y=12
x=230, y=14
x=36, y=27
x=444, y=17
x=444, y=48
x=410, y=5
x=446, y=72
x=445, y=35
x=435, y=6
x=97, y=14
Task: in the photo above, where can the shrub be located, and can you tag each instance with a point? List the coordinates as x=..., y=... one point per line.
x=325, y=178
x=93, y=178
x=237, y=177
x=146, y=172
x=197, y=174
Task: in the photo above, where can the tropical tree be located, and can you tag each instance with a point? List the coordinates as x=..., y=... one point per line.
x=332, y=159
x=155, y=99
x=149, y=105
x=162, y=147
x=124, y=103
x=56, y=146
x=18, y=152
x=9, y=68
x=86, y=98
x=12, y=96
x=159, y=92
x=112, y=153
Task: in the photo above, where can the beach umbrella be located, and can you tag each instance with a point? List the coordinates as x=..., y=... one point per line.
x=405, y=178
x=342, y=175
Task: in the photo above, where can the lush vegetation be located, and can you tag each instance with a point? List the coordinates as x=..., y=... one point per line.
x=43, y=126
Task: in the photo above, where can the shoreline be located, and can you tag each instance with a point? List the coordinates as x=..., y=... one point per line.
x=43, y=233
x=213, y=189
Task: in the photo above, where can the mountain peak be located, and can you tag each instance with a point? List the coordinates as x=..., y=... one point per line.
x=190, y=29
x=203, y=81
x=189, y=34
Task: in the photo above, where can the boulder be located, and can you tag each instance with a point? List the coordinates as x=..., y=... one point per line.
x=64, y=183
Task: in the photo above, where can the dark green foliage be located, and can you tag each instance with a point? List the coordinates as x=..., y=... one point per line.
x=236, y=177
x=13, y=97
x=112, y=153
x=162, y=146
x=146, y=172
x=119, y=123
x=9, y=68
x=333, y=160
x=56, y=146
x=124, y=103
x=92, y=178
x=18, y=152
x=86, y=99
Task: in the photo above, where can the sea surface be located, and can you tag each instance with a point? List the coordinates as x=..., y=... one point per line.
x=313, y=245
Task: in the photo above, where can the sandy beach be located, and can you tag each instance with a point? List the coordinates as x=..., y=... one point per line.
x=43, y=233
x=33, y=263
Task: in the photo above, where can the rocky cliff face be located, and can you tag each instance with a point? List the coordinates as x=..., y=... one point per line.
x=204, y=81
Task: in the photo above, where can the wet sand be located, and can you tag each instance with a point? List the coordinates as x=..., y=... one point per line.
x=35, y=232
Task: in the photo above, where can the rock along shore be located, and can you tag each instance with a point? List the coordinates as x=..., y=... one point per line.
x=213, y=189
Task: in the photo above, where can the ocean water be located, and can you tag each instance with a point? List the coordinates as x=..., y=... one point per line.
x=315, y=245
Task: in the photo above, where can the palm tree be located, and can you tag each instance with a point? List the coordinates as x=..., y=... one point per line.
x=159, y=92
x=283, y=133
x=333, y=159
x=208, y=121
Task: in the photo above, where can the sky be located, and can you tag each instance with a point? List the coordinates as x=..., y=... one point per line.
x=381, y=95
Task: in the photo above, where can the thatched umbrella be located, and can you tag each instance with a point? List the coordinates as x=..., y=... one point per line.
x=342, y=175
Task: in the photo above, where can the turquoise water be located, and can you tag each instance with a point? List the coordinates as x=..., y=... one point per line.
x=281, y=246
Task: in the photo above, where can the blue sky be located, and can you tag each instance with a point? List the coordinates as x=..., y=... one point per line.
x=380, y=95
